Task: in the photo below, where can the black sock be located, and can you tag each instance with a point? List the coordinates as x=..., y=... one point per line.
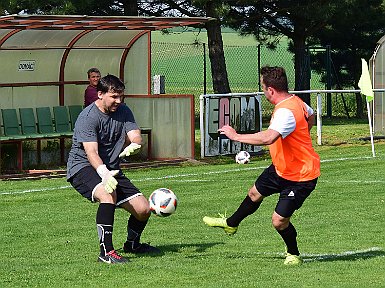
x=289, y=235
x=104, y=224
x=134, y=230
x=246, y=208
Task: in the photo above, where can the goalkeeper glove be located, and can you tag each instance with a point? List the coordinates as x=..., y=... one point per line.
x=108, y=180
x=131, y=149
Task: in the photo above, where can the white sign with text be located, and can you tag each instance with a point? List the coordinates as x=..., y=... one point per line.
x=242, y=112
x=27, y=65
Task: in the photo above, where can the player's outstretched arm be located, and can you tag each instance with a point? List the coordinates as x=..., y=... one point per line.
x=266, y=137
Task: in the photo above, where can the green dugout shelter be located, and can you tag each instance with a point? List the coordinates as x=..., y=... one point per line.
x=44, y=62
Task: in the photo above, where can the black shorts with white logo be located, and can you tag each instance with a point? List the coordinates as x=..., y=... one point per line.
x=292, y=194
x=87, y=179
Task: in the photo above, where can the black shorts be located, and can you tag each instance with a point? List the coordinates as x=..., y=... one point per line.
x=87, y=180
x=292, y=194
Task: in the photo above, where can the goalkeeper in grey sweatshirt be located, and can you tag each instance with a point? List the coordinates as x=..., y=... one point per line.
x=105, y=132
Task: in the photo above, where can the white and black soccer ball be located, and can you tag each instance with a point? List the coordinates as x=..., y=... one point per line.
x=242, y=157
x=163, y=202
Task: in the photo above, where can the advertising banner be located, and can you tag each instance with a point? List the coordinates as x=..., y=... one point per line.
x=241, y=111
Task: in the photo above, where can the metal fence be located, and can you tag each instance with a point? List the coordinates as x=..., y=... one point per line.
x=186, y=68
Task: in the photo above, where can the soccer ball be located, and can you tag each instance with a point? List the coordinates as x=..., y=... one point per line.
x=163, y=202
x=243, y=157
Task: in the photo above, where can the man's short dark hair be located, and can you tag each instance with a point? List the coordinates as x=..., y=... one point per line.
x=110, y=83
x=92, y=70
x=275, y=77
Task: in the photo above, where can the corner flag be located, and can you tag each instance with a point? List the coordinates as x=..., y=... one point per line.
x=365, y=84
x=366, y=89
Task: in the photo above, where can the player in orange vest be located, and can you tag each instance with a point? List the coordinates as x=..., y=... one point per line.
x=295, y=168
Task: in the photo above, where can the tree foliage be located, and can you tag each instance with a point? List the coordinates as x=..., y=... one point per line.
x=269, y=20
x=352, y=35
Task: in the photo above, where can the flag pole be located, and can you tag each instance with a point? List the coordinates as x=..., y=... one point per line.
x=370, y=128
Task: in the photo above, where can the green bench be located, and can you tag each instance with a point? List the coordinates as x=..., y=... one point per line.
x=44, y=126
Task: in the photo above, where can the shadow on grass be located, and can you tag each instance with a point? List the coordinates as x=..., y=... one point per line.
x=370, y=253
x=345, y=256
x=189, y=248
x=197, y=247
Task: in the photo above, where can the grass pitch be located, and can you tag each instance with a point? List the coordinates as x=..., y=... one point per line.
x=49, y=236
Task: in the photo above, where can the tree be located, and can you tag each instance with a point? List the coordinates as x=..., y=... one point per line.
x=352, y=36
x=130, y=7
x=216, y=54
x=198, y=8
x=3, y=9
x=268, y=20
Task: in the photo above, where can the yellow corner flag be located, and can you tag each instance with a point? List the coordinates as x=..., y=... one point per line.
x=365, y=84
x=366, y=89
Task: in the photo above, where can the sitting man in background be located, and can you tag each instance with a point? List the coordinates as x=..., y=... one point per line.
x=91, y=93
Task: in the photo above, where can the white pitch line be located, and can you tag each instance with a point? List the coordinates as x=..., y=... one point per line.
x=188, y=180
x=197, y=174
x=354, y=181
x=240, y=169
x=170, y=177
x=346, y=159
x=35, y=190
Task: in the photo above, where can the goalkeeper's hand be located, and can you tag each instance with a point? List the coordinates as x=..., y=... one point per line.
x=131, y=149
x=108, y=180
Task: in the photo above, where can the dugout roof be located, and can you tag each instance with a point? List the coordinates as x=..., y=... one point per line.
x=58, y=22
x=55, y=51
